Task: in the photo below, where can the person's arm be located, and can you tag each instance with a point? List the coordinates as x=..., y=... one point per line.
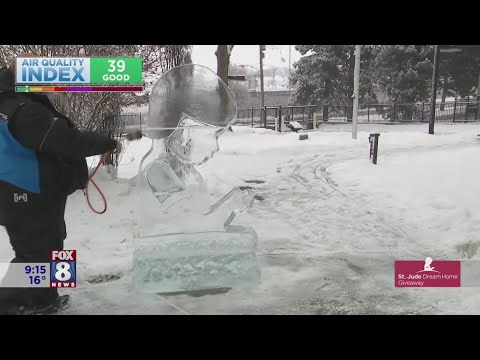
x=37, y=128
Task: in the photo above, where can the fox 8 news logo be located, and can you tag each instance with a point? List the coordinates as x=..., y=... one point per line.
x=63, y=268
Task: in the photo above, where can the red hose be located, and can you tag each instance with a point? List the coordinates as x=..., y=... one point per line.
x=90, y=180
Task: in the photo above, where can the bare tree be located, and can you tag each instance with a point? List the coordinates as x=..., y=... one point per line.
x=174, y=55
x=223, y=61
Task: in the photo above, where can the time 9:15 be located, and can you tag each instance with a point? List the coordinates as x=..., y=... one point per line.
x=42, y=269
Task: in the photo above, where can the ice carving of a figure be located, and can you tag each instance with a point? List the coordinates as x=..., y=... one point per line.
x=184, y=242
x=190, y=108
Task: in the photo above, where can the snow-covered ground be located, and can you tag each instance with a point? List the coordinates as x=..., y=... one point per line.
x=330, y=223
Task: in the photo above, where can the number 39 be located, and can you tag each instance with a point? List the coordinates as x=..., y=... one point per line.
x=120, y=67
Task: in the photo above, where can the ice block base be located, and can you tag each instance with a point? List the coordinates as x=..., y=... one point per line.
x=195, y=261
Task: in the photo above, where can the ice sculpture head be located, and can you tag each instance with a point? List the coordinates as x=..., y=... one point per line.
x=190, y=107
x=192, y=91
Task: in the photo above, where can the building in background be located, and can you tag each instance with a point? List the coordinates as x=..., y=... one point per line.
x=277, y=89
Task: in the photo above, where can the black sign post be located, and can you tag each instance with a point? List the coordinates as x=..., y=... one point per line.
x=374, y=147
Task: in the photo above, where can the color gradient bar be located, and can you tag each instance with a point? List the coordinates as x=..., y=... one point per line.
x=79, y=89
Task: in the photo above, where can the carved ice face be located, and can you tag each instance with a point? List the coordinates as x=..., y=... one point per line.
x=193, y=141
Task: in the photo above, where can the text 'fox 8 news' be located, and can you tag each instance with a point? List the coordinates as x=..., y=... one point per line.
x=61, y=272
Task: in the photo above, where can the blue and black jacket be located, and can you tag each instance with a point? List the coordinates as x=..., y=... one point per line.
x=42, y=157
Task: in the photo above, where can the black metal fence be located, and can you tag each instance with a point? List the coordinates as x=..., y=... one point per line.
x=451, y=111
x=461, y=111
x=133, y=121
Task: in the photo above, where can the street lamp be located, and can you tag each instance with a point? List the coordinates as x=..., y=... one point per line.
x=436, y=55
x=262, y=55
x=356, y=92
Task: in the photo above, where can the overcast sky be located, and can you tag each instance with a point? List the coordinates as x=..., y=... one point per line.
x=245, y=55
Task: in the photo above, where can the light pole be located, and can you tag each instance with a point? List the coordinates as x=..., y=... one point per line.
x=262, y=55
x=436, y=60
x=433, y=95
x=356, y=88
x=290, y=65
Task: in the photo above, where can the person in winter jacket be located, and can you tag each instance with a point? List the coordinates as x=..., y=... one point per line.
x=42, y=162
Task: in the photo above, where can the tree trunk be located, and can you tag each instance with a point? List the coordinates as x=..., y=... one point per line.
x=326, y=95
x=325, y=112
x=349, y=112
x=223, y=62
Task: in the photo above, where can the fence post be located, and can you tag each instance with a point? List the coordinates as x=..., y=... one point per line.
x=280, y=122
x=394, y=112
x=423, y=109
x=265, y=115
x=454, y=109
x=368, y=112
x=314, y=125
x=478, y=107
x=252, y=116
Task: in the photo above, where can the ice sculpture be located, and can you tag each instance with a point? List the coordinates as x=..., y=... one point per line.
x=183, y=241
